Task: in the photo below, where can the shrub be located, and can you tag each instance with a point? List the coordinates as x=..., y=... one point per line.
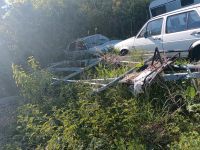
x=70, y=117
x=190, y=140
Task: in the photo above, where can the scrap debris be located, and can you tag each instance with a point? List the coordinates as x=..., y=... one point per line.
x=137, y=79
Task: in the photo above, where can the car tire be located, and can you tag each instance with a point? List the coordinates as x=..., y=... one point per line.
x=194, y=54
x=123, y=52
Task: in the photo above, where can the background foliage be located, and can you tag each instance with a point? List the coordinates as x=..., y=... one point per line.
x=43, y=28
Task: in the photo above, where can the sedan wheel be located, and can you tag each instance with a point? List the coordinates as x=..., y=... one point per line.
x=123, y=52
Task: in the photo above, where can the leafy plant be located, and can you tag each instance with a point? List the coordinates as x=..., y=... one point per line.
x=189, y=140
x=69, y=117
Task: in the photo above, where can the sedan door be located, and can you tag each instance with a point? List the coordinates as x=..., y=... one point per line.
x=150, y=36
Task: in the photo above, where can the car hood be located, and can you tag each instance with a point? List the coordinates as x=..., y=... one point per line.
x=125, y=44
x=106, y=46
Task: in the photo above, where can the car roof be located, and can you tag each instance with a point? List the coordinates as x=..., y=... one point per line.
x=176, y=11
x=87, y=37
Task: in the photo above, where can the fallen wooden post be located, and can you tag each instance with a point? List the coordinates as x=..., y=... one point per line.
x=146, y=77
x=161, y=68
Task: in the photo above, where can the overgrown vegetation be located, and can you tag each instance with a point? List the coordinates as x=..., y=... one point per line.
x=69, y=117
x=105, y=71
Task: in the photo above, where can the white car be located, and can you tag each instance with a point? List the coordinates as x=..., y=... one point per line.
x=174, y=31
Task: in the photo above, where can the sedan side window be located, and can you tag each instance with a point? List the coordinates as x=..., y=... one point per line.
x=154, y=27
x=193, y=20
x=177, y=23
x=72, y=46
x=80, y=46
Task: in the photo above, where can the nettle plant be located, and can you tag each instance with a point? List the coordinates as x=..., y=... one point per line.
x=34, y=83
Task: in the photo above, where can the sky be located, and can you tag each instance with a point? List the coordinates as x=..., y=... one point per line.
x=1, y=2
x=4, y=6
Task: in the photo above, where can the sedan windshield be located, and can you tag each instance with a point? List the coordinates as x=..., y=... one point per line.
x=95, y=41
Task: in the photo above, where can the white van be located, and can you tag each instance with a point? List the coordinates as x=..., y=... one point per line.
x=158, y=7
x=174, y=31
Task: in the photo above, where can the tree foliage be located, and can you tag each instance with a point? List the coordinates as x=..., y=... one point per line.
x=43, y=28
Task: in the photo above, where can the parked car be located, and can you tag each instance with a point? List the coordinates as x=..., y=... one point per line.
x=174, y=31
x=92, y=43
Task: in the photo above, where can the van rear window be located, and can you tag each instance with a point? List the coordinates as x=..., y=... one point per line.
x=186, y=2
